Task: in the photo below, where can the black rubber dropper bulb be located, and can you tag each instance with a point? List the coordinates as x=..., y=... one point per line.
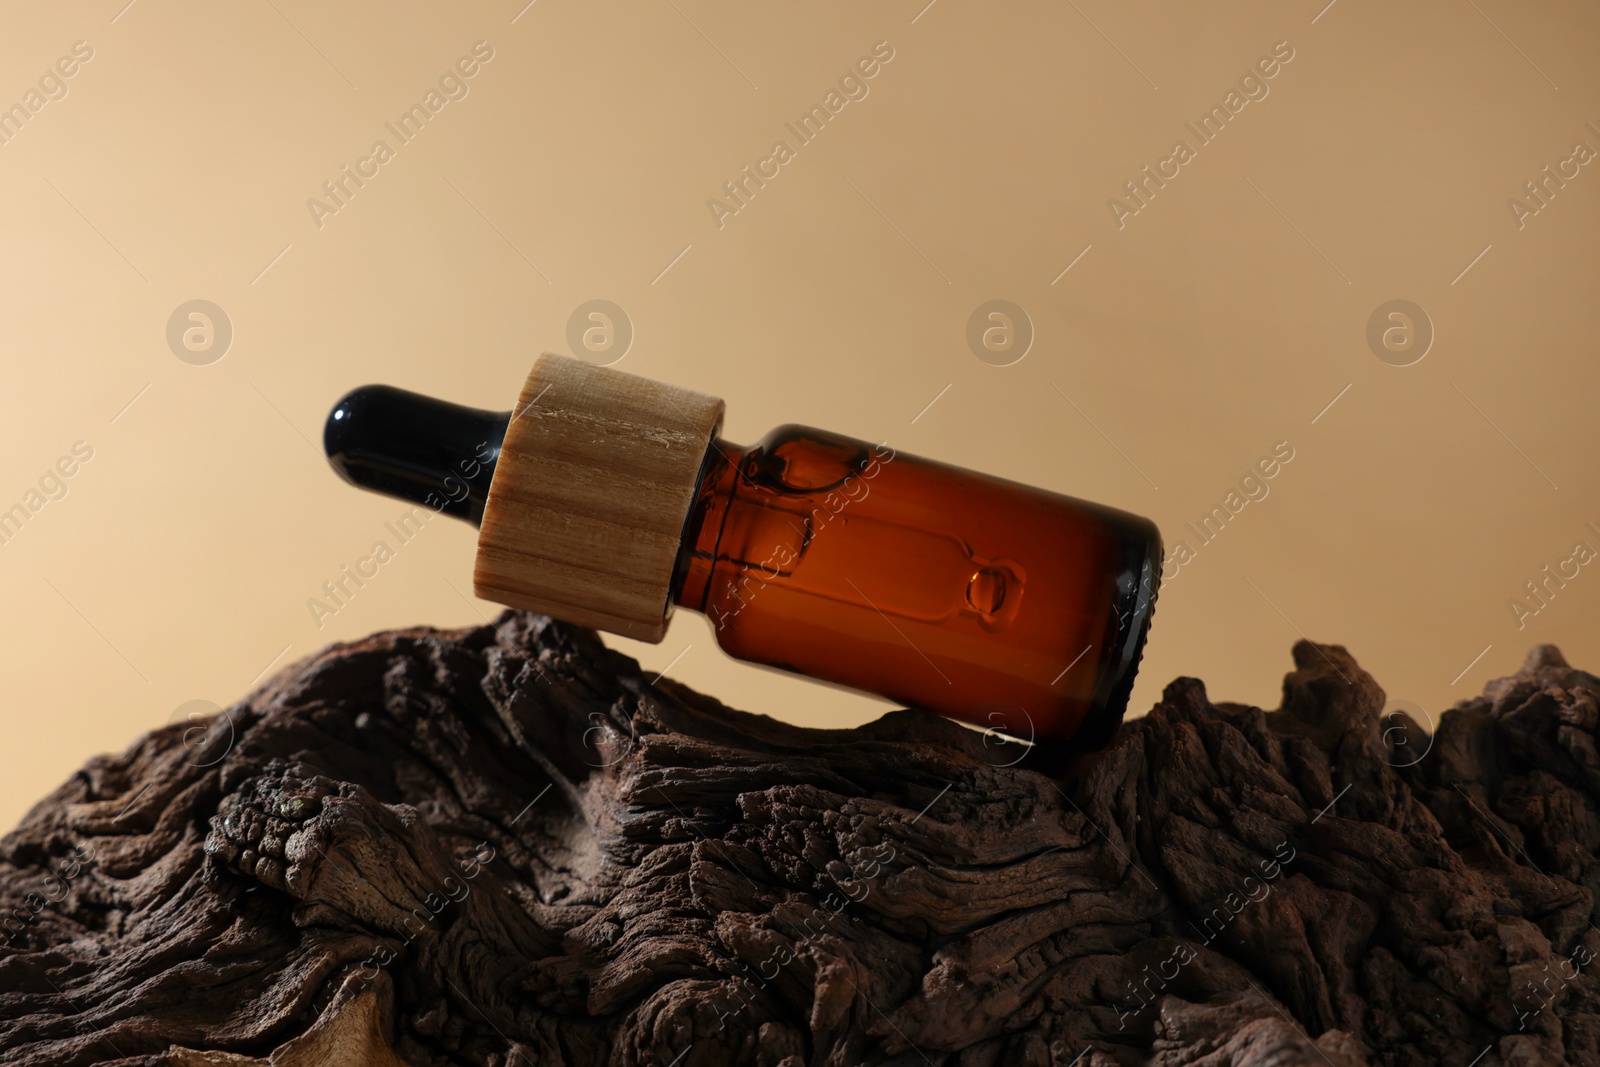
x=416, y=448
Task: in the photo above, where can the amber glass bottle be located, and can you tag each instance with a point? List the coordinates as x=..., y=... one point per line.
x=605, y=499
x=981, y=599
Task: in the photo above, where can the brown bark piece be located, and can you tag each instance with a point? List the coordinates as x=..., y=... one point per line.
x=505, y=846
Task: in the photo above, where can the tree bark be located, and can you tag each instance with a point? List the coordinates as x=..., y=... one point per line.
x=507, y=846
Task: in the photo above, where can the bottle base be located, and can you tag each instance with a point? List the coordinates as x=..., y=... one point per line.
x=1134, y=608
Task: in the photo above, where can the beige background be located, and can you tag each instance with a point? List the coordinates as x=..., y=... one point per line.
x=1224, y=318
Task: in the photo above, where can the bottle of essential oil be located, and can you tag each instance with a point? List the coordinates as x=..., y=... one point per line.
x=605, y=499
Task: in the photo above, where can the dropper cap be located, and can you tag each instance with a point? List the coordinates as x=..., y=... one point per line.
x=416, y=448
x=594, y=485
x=581, y=493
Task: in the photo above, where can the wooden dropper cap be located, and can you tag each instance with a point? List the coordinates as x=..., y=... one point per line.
x=595, y=481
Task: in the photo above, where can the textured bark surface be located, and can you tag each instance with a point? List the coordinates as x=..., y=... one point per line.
x=506, y=846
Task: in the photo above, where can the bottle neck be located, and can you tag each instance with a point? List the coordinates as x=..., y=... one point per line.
x=702, y=530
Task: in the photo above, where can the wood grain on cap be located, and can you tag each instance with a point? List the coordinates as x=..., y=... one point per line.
x=594, y=483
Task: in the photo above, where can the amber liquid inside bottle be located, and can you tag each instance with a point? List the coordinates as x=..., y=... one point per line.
x=996, y=603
